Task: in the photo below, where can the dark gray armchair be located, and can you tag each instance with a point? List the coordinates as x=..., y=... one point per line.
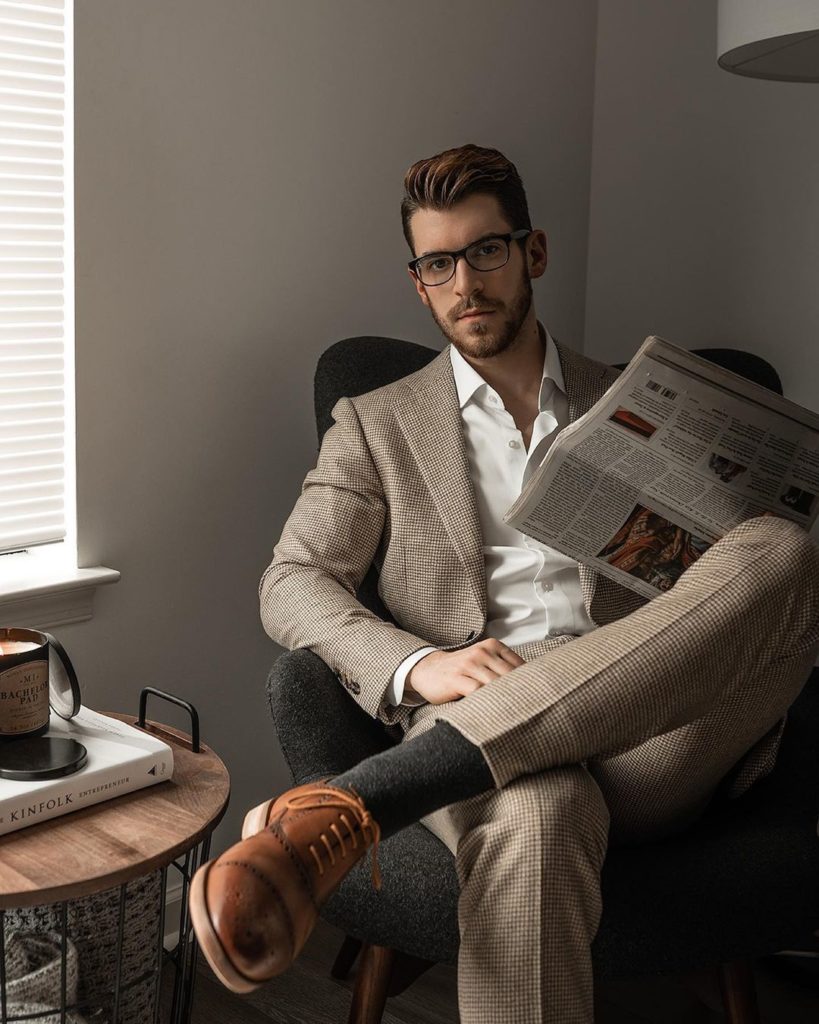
x=743, y=882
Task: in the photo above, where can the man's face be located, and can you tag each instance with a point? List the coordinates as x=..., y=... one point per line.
x=480, y=312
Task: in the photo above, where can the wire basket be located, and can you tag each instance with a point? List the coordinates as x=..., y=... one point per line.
x=113, y=957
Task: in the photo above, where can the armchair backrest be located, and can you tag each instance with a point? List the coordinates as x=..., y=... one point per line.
x=354, y=366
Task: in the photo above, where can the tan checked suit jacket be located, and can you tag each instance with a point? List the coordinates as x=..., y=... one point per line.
x=392, y=486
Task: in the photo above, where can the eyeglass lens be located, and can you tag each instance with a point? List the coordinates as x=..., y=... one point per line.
x=490, y=254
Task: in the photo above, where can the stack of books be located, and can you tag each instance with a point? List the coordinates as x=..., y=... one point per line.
x=121, y=759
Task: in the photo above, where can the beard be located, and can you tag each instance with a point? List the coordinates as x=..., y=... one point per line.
x=487, y=339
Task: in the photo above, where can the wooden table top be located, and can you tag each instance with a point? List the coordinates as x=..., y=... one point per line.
x=112, y=842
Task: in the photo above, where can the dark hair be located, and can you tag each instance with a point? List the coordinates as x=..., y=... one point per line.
x=439, y=182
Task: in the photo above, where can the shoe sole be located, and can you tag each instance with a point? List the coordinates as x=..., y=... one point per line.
x=208, y=939
x=256, y=819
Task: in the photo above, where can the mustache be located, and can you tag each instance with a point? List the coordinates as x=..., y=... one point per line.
x=462, y=310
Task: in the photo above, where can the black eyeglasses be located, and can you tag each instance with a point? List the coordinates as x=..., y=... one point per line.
x=489, y=253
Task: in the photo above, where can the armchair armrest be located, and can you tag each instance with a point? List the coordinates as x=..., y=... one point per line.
x=321, y=729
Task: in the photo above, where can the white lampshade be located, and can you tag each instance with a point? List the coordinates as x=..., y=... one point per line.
x=770, y=39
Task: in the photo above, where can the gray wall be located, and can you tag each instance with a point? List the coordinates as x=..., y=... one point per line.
x=704, y=199
x=238, y=176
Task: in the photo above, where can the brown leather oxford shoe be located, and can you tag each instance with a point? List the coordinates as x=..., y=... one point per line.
x=254, y=907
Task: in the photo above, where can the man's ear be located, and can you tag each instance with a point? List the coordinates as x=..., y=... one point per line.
x=537, y=256
x=419, y=287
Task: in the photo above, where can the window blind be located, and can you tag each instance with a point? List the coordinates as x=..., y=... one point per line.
x=33, y=305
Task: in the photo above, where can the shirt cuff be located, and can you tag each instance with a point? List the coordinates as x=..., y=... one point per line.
x=395, y=691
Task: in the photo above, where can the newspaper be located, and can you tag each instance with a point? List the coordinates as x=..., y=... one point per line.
x=676, y=453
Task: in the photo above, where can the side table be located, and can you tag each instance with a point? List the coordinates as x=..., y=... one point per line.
x=167, y=825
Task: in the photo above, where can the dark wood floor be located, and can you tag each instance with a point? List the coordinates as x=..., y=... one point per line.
x=308, y=995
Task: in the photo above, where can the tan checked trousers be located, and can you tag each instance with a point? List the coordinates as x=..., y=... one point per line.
x=620, y=735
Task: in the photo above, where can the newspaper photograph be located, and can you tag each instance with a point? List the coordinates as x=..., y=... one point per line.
x=674, y=455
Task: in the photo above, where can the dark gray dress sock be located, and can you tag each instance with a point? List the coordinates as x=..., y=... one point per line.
x=414, y=778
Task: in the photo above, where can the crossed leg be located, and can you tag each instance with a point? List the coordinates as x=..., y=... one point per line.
x=633, y=725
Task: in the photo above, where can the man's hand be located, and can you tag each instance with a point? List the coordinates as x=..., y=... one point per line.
x=449, y=675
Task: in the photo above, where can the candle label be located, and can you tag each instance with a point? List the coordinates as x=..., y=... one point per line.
x=23, y=697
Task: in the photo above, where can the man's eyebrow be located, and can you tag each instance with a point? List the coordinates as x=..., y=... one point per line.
x=446, y=252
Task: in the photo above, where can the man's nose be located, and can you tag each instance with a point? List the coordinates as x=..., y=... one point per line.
x=467, y=280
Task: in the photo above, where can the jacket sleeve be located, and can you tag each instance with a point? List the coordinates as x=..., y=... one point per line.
x=307, y=593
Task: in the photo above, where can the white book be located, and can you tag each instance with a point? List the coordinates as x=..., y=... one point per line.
x=121, y=759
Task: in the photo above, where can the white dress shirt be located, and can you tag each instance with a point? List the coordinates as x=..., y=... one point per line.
x=532, y=591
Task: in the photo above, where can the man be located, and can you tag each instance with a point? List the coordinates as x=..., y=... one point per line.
x=547, y=711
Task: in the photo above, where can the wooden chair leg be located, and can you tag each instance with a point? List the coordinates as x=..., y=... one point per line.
x=350, y=949
x=739, y=992
x=371, y=983
x=406, y=969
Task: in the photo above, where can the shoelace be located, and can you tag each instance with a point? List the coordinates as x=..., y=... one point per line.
x=343, y=801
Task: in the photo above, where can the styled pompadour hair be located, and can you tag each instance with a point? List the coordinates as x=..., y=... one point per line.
x=439, y=182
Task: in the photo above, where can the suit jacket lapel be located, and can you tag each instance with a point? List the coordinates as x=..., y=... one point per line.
x=431, y=418
x=586, y=380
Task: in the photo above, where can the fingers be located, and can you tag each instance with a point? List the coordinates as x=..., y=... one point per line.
x=459, y=673
x=498, y=666
x=475, y=676
x=485, y=671
x=467, y=685
x=498, y=649
x=491, y=659
x=509, y=656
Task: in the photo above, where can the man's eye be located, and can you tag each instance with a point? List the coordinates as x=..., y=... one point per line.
x=489, y=249
x=439, y=264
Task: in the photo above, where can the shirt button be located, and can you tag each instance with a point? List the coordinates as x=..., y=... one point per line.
x=514, y=444
x=555, y=632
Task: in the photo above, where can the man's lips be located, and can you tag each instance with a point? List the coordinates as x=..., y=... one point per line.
x=475, y=312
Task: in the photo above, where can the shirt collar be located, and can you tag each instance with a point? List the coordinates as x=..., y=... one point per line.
x=468, y=381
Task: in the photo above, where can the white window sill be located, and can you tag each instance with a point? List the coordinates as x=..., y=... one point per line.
x=40, y=592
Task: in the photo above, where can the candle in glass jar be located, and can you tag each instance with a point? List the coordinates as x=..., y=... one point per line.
x=23, y=683
x=16, y=646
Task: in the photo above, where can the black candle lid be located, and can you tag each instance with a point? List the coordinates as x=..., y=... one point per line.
x=64, y=687
x=41, y=757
